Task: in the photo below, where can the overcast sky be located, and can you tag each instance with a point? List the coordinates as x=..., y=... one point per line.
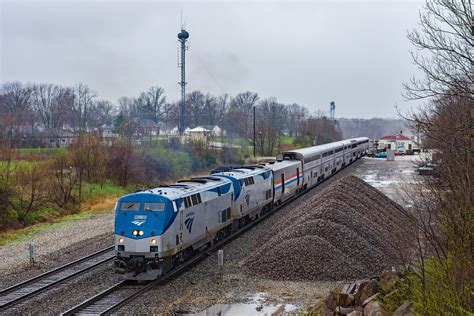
x=353, y=52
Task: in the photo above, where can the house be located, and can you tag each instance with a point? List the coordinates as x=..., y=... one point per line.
x=61, y=138
x=198, y=133
x=216, y=130
x=400, y=143
x=108, y=134
x=148, y=127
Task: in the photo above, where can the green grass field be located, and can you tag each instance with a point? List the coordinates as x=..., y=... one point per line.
x=18, y=164
x=95, y=190
x=41, y=150
x=287, y=140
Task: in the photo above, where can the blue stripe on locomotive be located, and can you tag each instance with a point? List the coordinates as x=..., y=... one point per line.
x=156, y=221
x=235, y=183
x=223, y=188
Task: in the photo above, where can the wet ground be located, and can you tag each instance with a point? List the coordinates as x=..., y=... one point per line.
x=393, y=178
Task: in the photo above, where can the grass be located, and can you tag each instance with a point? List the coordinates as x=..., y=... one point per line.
x=287, y=140
x=229, y=140
x=18, y=164
x=97, y=200
x=95, y=191
x=41, y=150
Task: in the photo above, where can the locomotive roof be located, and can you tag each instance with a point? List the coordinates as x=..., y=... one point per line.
x=278, y=164
x=187, y=186
x=243, y=171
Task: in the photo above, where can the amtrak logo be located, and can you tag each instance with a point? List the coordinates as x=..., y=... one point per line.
x=189, y=223
x=138, y=223
x=247, y=198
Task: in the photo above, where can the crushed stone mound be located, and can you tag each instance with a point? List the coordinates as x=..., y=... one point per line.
x=349, y=230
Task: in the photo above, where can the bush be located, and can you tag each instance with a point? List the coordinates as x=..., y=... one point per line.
x=434, y=290
x=231, y=156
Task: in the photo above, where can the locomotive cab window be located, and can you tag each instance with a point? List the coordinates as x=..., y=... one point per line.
x=249, y=181
x=129, y=206
x=154, y=207
x=194, y=199
x=187, y=201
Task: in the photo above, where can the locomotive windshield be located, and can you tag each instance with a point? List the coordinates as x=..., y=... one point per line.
x=155, y=207
x=129, y=206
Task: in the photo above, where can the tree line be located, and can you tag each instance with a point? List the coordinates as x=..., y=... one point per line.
x=25, y=107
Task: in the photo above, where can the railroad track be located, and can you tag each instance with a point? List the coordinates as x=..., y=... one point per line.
x=26, y=289
x=114, y=297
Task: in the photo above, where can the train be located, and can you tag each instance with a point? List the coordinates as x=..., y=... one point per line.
x=160, y=228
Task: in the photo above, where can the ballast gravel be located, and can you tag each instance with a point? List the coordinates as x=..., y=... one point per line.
x=347, y=231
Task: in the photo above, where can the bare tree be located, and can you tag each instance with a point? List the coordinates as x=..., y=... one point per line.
x=296, y=115
x=215, y=108
x=84, y=99
x=195, y=109
x=271, y=117
x=51, y=103
x=245, y=102
x=102, y=113
x=31, y=196
x=151, y=103
x=444, y=51
x=61, y=186
x=128, y=106
x=16, y=106
x=320, y=129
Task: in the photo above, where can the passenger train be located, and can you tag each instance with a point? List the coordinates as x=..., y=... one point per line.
x=159, y=228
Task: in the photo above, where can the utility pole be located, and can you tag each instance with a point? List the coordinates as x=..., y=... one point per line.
x=254, y=132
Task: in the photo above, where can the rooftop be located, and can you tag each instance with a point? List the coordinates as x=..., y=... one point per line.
x=396, y=137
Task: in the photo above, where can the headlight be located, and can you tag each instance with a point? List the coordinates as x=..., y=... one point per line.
x=135, y=232
x=120, y=240
x=153, y=241
x=140, y=232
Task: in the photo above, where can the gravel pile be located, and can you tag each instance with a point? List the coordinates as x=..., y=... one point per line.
x=349, y=230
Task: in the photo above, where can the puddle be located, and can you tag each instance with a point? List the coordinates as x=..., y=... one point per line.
x=378, y=183
x=256, y=305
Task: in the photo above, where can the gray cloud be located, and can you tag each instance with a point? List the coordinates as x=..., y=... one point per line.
x=353, y=52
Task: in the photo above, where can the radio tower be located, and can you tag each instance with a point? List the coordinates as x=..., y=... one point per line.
x=182, y=38
x=332, y=111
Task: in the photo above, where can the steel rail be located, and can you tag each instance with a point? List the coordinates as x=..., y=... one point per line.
x=28, y=288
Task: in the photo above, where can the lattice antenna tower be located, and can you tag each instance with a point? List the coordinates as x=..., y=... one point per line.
x=182, y=39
